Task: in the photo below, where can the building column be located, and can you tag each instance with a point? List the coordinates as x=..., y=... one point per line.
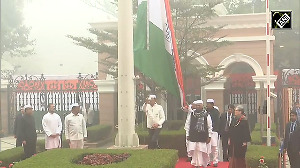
x=215, y=91
x=108, y=101
x=4, y=118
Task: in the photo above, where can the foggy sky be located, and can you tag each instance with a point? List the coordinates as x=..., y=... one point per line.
x=51, y=21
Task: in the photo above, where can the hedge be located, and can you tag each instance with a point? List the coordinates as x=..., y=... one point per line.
x=11, y=155
x=168, y=139
x=98, y=132
x=258, y=126
x=256, y=138
x=173, y=124
x=67, y=158
x=270, y=154
x=95, y=133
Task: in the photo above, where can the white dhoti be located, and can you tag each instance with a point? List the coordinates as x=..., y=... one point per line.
x=51, y=143
x=200, y=153
x=187, y=148
x=76, y=144
x=214, y=147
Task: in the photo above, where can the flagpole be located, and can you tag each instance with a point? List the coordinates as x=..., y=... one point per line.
x=148, y=39
x=126, y=136
x=268, y=73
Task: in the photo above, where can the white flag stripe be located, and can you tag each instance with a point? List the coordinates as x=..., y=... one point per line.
x=155, y=13
x=167, y=31
x=158, y=17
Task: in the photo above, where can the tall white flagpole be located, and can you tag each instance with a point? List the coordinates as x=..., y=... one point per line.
x=126, y=136
x=268, y=73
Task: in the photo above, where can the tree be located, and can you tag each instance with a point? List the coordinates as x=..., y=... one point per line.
x=194, y=38
x=192, y=35
x=14, y=34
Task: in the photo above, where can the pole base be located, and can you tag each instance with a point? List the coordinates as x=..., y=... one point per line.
x=127, y=141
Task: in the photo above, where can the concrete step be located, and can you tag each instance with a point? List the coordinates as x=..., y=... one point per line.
x=98, y=144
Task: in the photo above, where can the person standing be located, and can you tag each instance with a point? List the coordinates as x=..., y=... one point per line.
x=291, y=140
x=52, y=127
x=297, y=109
x=239, y=136
x=17, y=126
x=28, y=134
x=88, y=115
x=225, y=122
x=75, y=128
x=198, y=132
x=188, y=110
x=155, y=119
x=215, y=116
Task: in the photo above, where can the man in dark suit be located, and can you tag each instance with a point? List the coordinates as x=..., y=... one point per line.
x=17, y=126
x=225, y=121
x=291, y=140
x=28, y=132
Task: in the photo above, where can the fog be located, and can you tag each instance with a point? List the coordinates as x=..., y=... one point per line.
x=51, y=21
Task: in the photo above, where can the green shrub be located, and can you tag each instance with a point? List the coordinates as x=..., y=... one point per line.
x=173, y=124
x=254, y=153
x=11, y=155
x=258, y=125
x=67, y=158
x=167, y=140
x=98, y=132
x=256, y=138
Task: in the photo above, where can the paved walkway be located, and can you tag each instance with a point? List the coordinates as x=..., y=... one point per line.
x=10, y=142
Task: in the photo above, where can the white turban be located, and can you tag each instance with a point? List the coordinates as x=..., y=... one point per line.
x=198, y=102
x=210, y=101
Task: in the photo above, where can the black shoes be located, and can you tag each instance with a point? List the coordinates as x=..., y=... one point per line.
x=189, y=159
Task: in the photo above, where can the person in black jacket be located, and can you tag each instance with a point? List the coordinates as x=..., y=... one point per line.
x=291, y=140
x=215, y=116
x=28, y=132
x=225, y=122
x=17, y=126
x=239, y=136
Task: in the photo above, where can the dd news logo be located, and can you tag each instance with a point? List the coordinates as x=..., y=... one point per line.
x=281, y=19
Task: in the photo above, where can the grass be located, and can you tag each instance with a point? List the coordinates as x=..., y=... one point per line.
x=67, y=158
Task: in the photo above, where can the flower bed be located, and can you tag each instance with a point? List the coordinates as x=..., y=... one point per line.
x=68, y=158
x=103, y=159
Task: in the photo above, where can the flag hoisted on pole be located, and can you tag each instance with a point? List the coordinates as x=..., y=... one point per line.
x=155, y=48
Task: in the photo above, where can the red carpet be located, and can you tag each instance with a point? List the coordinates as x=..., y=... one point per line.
x=183, y=164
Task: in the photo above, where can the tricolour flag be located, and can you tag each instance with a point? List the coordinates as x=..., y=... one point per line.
x=155, y=49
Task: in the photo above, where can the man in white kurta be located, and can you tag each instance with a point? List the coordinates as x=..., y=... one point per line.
x=188, y=110
x=198, y=131
x=52, y=127
x=155, y=119
x=215, y=116
x=75, y=128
